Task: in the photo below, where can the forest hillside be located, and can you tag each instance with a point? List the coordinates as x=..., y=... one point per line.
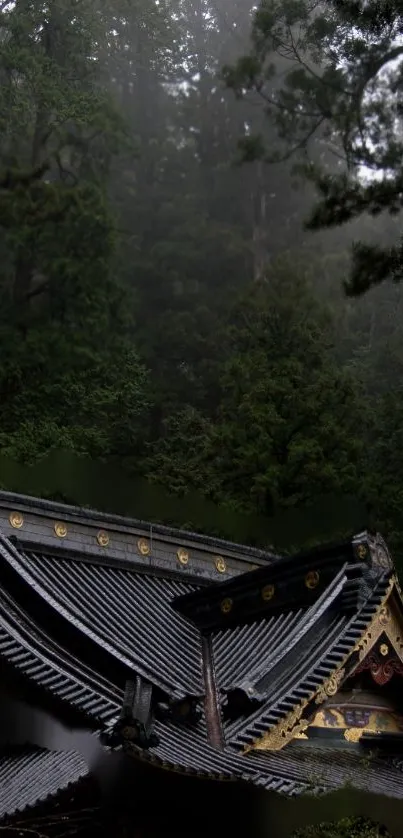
x=164, y=308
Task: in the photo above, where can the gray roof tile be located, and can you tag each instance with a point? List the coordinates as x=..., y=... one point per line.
x=331, y=769
x=246, y=656
x=127, y=614
x=31, y=652
x=31, y=775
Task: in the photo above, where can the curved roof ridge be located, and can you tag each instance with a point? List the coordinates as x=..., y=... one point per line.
x=27, y=649
x=113, y=607
x=88, y=514
x=308, y=620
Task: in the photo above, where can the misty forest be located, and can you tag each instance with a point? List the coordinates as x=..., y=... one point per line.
x=200, y=249
x=199, y=237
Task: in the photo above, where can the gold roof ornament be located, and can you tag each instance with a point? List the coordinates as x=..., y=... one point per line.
x=385, y=616
x=16, y=520
x=268, y=592
x=278, y=736
x=301, y=735
x=312, y=579
x=226, y=605
x=103, y=538
x=143, y=547
x=183, y=556
x=60, y=529
x=385, y=621
x=220, y=564
x=330, y=687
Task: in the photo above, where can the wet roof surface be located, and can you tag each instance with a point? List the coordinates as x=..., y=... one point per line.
x=31, y=775
x=78, y=624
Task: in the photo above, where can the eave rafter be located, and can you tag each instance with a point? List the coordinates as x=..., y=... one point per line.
x=386, y=620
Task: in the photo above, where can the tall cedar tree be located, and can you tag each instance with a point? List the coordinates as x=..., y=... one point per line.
x=282, y=429
x=68, y=374
x=341, y=84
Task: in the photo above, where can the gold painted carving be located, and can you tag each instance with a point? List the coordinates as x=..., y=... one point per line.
x=183, y=556
x=60, y=529
x=384, y=649
x=220, y=564
x=288, y=728
x=312, y=579
x=362, y=551
x=103, y=538
x=386, y=621
x=143, y=547
x=226, y=605
x=16, y=520
x=353, y=734
x=268, y=592
x=384, y=616
x=330, y=686
x=291, y=726
x=333, y=717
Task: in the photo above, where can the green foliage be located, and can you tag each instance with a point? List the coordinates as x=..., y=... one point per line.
x=282, y=429
x=70, y=376
x=286, y=409
x=346, y=828
x=145, y=315
x=82, y=395
x=59, y=130
x=341, y=84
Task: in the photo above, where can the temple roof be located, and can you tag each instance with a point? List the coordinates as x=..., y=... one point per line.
x=193, y=654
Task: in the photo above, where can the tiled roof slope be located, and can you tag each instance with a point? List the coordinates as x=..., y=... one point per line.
x=246, y=656
x=31, y=652
x=127, y=614
x=291, y=680
x=296, y=770
x=327, y=770
x=187, y=752
x=31, y=775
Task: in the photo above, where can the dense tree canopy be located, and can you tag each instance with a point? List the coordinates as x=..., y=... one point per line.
x=346, y=828
x=162, y=304
x=329, y=75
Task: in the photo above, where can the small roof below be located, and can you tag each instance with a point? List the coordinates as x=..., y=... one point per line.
x=31, y=775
